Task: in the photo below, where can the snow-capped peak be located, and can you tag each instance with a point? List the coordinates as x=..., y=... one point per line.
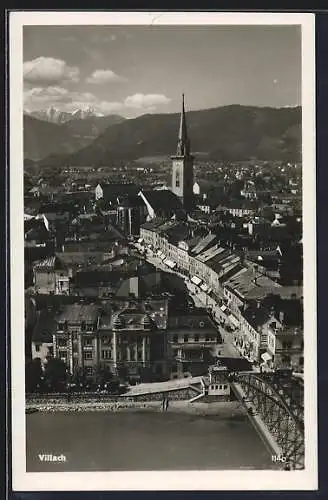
x=55, y=115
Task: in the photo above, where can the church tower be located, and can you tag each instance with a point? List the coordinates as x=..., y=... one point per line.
x=182, y=165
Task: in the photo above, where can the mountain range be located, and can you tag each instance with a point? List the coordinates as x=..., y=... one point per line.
x=232, y=132
x=43, y=138
x=55, y=115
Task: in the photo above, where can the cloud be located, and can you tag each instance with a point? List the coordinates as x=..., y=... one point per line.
x=102, y=76
x=40, y=96
x=49, y=71
x=66, y=100
x=146, y=101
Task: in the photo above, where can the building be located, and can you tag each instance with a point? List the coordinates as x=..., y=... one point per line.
x=42, y=336
x=113, y=192
x=218, y=384
x=131, y=343
x=51, y=276
x=75, y=338
x=131, y=214
x=161, y=203
x=192, y=338
x=182, y=166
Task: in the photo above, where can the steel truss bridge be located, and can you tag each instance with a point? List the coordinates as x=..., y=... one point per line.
x=280, y=405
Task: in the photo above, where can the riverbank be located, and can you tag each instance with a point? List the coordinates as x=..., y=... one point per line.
x=224, y=409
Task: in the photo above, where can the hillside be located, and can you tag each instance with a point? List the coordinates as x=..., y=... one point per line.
x=43, y=138
x=92, y=126
x=227, y=133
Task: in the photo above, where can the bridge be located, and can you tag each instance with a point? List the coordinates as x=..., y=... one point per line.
x=276, y=402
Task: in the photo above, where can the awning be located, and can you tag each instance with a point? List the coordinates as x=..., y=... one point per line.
x=234, y=320
x=204, y=287
x=266, y=356
x=223, y=308
x=170, y=263
x=196, y=280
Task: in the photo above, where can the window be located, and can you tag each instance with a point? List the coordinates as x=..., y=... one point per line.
x=207, y=338
x=139, y=355
x=89, y=371
x=201, y=324
x=177, y=178
x=62, y=342
x=185, y=338
x=106, y=340
x=225, y=387
x=87, y=355
x=50, y=351
x=87, y=342
x=37, y=347
x=175, y=339
x=106, y=354
x=196, y=338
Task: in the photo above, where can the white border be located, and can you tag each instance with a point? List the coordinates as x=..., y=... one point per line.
x=172, y=480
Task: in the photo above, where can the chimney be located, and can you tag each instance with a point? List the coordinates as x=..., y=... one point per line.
x=258, y=304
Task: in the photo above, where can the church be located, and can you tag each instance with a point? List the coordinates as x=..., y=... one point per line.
x=176, y=202
x=178, y=199
x=183, y=165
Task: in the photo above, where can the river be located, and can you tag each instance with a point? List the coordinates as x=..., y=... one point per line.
x=105, y=441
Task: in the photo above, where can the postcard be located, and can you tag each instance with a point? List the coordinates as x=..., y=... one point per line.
x=163, y=251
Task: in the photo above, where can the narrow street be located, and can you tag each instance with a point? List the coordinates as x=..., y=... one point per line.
x=227, y=349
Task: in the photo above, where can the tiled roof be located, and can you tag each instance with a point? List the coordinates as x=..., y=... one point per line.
x=153, y=224
x=48, y=263
x=115, y=189
x=164, y=199
x=200, y=321
x=253, y=285
x=75, y=313
x=203, y=243
x=210, y=253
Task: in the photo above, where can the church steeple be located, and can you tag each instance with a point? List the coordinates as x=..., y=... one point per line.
x=182, y=165
x=183, y=148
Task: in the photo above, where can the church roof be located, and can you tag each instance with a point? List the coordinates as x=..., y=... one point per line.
x=165, y=200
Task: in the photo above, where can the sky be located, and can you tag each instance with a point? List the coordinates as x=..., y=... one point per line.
x=132, y=70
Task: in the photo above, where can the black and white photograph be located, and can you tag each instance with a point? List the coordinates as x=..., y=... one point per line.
x=163, y=249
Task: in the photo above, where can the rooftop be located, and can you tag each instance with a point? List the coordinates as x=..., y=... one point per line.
x=75, y=313
x=211, y=252
x=163, y=199
x=251, y=284
x=197, y=320
x=203, y=243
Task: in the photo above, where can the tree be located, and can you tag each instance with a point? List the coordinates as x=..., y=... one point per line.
x=103, y=375
x=55, y=374
x=33, y=375
x=79, y=378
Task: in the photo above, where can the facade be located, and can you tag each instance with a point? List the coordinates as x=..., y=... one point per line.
x=289, y=348
x=50, y=276
x=218, y=383
x=182, y=165
x=127, y=339
x=130, y=214
x=192, y=339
